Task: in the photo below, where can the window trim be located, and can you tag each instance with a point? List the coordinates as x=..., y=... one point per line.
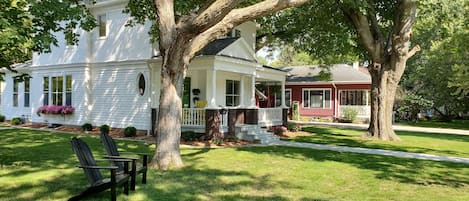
x=15, y=94
x=27, y=93
x=51, y=93
x=238, y=94
x=323, y=101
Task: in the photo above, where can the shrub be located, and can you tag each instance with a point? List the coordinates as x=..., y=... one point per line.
x=295, y=110
x=218, y=141
x=350, y=114
x=190, y=135
x=293, y=127
x=130, y=131
x=104, y=129
x=2, y=118
x=279, y=130
x=411, y=105
x=16, y=121
x=87, y=127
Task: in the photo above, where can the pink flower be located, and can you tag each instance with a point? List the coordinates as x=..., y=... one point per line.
x=55, y=109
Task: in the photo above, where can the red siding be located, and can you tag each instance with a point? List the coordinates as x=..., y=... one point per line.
x=297, y=95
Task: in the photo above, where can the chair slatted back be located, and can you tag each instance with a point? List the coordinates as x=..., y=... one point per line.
x=85, y=156
x=111, y=148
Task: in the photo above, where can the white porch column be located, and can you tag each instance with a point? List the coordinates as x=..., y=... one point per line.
x=283, y=95
x=241, y=92
x=211, y=88
x=252, y=103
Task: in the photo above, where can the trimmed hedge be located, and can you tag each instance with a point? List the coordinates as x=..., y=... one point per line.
x=130, y=131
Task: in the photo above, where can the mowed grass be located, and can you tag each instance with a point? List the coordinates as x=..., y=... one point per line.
x=454, y=124
x=429, y=143
x=39, y=165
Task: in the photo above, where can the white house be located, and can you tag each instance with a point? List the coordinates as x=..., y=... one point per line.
x=113, y=77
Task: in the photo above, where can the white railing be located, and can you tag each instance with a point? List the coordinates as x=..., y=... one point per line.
x=364, y=111
x=193, y=117
x=270, y=116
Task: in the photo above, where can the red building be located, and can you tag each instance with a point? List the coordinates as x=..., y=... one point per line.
x=348, y=87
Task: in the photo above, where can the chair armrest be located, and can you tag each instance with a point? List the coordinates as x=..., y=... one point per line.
x=98, y=167
x=119, y=157
x=115, y=159
x=136, y=153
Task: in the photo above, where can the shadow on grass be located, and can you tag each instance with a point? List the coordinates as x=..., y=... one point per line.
x=334, y=136
x=412, y=171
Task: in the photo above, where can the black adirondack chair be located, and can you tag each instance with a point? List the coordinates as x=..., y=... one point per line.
x=93, y=173
x=113, y=152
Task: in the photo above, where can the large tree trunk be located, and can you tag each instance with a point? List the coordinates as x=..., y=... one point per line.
x=170, y=110
x=383, y=91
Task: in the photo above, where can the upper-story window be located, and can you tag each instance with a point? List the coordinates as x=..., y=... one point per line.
x=26, y=91
x=102, y=25
x=15, y=92
x=236, y=33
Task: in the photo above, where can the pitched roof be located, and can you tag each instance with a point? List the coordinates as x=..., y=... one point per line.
x=217, y=46
x=341, y=73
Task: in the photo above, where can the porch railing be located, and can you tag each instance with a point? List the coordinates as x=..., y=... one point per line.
x=364, y=111
x=193, y=117
x=270, y=116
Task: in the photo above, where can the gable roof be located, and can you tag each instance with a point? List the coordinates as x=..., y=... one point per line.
x=341, y=73
x=216, y=46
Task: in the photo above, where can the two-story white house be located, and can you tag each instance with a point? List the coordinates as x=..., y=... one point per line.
x=113, y=77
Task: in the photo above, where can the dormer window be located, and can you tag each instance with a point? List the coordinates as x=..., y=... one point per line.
x=102, y=25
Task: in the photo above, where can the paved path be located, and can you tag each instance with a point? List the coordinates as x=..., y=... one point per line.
x=396, y=127
x=370, y=151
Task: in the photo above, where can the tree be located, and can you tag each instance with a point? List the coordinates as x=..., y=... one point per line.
x=28, y=25
x=438, y=72
x=180, y=38
x=379, y=31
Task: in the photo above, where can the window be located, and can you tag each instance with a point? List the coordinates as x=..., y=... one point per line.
x=232, y=93
x=278, y=98
x=45, y=91
x=236, y=33
x=68, y=90
x=102, y=25
x=354, y=97
x=26, y=91
x=15, y=92
x=317, y=98
x=59, y=90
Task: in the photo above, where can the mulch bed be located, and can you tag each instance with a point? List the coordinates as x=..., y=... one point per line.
x=141, y=135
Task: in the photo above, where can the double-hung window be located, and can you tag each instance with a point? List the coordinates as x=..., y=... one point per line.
x=15, y=92
x=232, y=93
x=57, y=90
x=26, y=91
x=317, y=98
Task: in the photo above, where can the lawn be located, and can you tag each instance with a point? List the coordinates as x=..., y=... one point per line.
x=39, y=165
x=429, y=143
x=455, y=124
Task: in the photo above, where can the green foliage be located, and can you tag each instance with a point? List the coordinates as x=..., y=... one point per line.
x=295, y=110
x=130, y=131
x=438, y=73
x=2, y=118
x=104, y=129
x=218, y=141
x=293, y=127
x=16, y=121
x=412, y=104
x=350, y=114
x=190, y=136
x=87, y=127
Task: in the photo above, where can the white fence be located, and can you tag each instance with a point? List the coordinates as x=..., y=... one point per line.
x=270, y=116
x=364, y=111
x=193, y=117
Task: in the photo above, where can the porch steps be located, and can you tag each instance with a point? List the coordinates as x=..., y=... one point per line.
x=254, y=132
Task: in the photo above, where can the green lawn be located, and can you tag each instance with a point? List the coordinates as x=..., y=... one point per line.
x=430, y=143
x=38, y=165
x=455, y=124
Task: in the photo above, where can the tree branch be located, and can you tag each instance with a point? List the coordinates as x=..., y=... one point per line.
x=166, y=21
x=413, y=51
x=235, y=18
x=405, y=19
x=209, y=15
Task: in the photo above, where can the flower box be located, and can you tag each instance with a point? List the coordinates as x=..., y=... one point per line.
x=55, y=109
